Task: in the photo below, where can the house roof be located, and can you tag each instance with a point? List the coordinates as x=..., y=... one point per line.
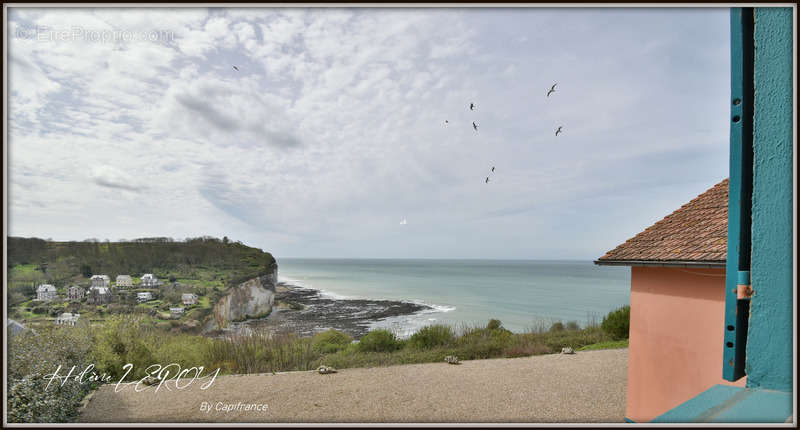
x=694, y=235
x=45, y=287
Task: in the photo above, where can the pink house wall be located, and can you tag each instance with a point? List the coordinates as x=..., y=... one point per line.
x=676, y=337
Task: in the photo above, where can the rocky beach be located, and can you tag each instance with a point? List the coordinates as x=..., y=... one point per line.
x=307, y=311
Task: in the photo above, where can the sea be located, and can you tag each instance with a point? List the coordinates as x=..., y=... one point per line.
x=523, y=294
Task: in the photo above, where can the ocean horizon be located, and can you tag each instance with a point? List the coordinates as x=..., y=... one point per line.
x=522, y=294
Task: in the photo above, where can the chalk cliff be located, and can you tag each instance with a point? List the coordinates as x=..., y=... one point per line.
x=251, y=299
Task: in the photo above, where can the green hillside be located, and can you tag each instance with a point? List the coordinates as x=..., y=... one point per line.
x=205, y=266
x=60, y=261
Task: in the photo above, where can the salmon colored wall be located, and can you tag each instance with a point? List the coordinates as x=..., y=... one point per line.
x=676, y=337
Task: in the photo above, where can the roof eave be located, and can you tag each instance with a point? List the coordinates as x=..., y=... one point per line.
x=711, y=264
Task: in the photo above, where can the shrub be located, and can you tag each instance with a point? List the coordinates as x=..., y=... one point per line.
x=617, y=323
x=30, y=357
x=31, y=401
x=379, y=341
x=494, y=324
x=330, y=341
x=431, y=336
x=573, y=326
x=122, y=340
x=477, y=343
x=557, y=327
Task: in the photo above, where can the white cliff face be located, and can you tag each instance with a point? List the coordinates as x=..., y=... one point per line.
x=250, y=299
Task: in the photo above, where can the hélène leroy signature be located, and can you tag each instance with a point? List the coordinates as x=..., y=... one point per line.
x=156, y=371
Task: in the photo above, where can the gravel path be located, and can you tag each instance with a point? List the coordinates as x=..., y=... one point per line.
x=586, y=387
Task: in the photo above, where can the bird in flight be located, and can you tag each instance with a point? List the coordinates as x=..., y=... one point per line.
x=559, y=130
x=552, y=89
x=236, y=68
x=446, y=122
x=492, y=169
x=487, y=179
x=475, y=126
x=472, y=106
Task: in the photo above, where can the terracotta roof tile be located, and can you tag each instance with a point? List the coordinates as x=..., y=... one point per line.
x=697, y=231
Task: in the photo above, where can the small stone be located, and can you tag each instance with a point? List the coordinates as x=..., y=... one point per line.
x=150, y=380
x=567, y=350
x=323, y=370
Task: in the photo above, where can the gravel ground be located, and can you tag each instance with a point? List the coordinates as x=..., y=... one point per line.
x=588, y=386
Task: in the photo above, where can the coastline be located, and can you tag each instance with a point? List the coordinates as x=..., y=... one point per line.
x=307, y=311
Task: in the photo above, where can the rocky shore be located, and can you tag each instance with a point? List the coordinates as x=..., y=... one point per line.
x=306, y=312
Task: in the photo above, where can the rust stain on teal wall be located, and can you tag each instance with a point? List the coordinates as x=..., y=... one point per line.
x=769, y=340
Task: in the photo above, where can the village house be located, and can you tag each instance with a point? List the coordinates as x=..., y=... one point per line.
x=176, y=312
x=149, y=280
x=189, y=299
x=75, y=293
x=67, y=318
x=100, y=281
x=144, y=297
x=46, y=292
x=677, y=305
x=124, y=281
x=98, y=295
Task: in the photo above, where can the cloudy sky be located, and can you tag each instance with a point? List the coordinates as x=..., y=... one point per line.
x=127, y=123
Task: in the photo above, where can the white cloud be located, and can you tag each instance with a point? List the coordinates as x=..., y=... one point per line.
x=113, y=177
x=335, y=124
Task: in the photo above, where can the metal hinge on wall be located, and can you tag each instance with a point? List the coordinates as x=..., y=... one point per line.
x=743, y=288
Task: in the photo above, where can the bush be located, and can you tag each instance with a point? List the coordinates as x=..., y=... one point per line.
x=379, y=341
x=30, y=357
x=494, y=325
x=478, y=343
x=432, y=336
x=573, y=326
x=330, y=341
x=122, y=340
x=557, y=327
x=617, y=323
x=31, y=401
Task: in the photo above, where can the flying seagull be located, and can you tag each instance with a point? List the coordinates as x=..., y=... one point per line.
x=552, y=89
x=236, y=68
x=559, y=130
x=475, y=126
x=472, y=106
x=487, y=179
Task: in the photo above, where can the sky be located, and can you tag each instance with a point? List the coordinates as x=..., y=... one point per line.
x=330, y=140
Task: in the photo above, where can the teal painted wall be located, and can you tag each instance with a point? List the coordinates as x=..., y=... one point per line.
x=769, y=339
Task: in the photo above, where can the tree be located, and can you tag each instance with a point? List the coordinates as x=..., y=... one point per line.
x=86, y=270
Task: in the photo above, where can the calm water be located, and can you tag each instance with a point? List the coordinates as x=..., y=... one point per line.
x=522, y=294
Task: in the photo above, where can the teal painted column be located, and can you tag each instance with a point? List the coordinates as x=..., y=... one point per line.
x=769, y=338
x=740, y=191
